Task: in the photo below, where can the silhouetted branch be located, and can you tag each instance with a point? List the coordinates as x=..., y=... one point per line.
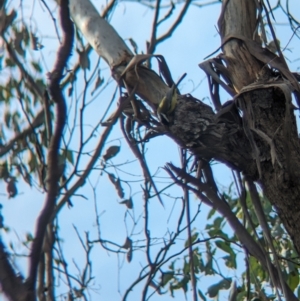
x=189, y=230
x=211, y=198
x=152, y=44
x=136, y=151
x=11, y=283
x=175, y=24
x=90, y=165
x=53, y=173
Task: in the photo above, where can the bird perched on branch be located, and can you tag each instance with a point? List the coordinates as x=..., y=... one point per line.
x=168, y=103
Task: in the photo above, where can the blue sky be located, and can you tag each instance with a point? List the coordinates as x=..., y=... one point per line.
x=195, y=38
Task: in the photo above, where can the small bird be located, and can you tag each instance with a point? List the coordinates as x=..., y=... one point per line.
x=168, y=103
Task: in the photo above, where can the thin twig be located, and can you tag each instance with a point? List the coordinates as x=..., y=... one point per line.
x=152, y=44
x=175, y=24
x=188, y=219
x=212, y=199
x=90, y=165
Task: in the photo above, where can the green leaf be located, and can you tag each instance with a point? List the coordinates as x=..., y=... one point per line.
x=218, y=222
x=241, y=296
x=230, y=261
x=40, y=83
x=111, y=152
x=293, y=280
x=32, y=162
x=68, y=154
x=196, y=262
x=201, y=295
x=1, y=221
x=29, y=237
x=4, y=173
x=208, y=269
x=18, y=43
x=171, y=266
x=9, y=63
x=186, y=267
x=34, y=42
x=225, y=246
x=9, y=18
x=277, y=230
x=166, y=277
x=7, y=118
x=37, y=67
x=128, y=203
x=211, y=213
x=84, y=60
x=214, y=232
x=213, y=290
x=128, y=244
x=201, y=263
x=11, y=245
x=184, y=282
x=61, y=165
x=98, y=83
x=193, y=239
x=112, y=177
x=117, y=184
x=258, y=272
x=129, y=255
x=25, y=35
x=11, y=187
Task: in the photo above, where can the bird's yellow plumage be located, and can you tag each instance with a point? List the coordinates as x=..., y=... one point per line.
x=167, y=104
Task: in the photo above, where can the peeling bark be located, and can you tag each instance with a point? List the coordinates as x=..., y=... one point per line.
x=238, y=18
x=255, y=133
x=222, y=138
x=271, y=114
x=263, y=143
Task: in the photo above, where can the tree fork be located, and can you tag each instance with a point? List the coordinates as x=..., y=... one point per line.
x=222, y=136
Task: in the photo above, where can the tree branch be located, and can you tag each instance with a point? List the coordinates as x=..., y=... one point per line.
x=90, y=165
x=53, y=153
x=11, y=284
x=208, y=195
x=176, y=23
x=152, y=44
x=99, y=33
x=37, y=122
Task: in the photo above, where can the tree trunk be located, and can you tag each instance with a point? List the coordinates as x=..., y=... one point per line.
x=255, y=133
x=270, y=112
x=264, y=142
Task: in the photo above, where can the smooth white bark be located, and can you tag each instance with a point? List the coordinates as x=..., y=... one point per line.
x=110, y=46
x=99, y=33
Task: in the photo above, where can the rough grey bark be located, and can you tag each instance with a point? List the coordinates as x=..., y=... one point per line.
x=263, y=144
x=270, y=111
x=255, y=133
